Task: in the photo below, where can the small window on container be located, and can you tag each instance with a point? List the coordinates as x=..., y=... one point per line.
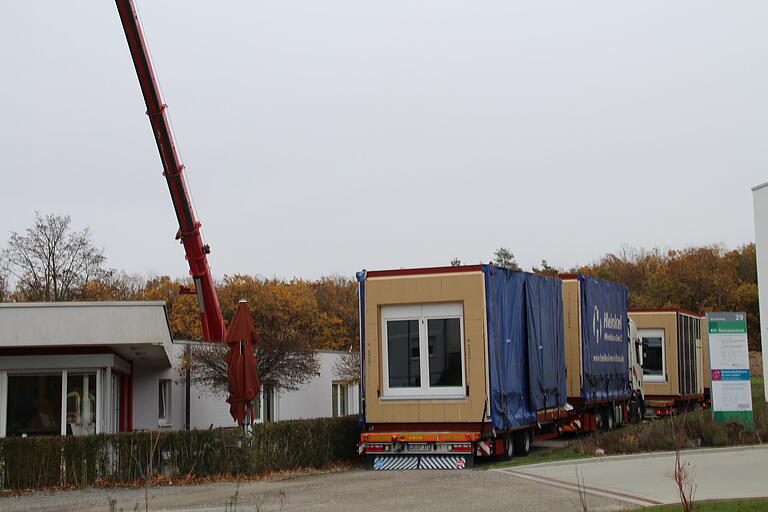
x=653, y=355
x=423, y=351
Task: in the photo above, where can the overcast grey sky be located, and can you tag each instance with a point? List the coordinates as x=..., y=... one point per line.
x=328, y=136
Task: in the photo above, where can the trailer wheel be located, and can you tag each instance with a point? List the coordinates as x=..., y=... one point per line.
x=522, y=442
x=599, y=418
x=609, y=419
x=637, y=409
x=509, y=446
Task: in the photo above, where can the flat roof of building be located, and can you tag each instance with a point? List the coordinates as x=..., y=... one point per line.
x=136, y=331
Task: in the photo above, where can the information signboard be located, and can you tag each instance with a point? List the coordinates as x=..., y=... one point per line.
x=729, y=363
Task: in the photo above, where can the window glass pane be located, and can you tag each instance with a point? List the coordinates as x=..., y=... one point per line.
x=257, y=407
x=444, y=342
x=653, y=356
x=335, y=399
x=164, y=401
x=403, y=353
x=34, y=405
x=81, y=404
x=115, y=402
x=343, y=399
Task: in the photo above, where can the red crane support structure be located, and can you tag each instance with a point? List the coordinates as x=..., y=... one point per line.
x=189, y=228
x=242, y=377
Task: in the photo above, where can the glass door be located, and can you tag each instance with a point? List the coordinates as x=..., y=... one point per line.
x=81, y=404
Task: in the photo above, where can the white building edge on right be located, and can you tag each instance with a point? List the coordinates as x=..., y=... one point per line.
x=760, y=208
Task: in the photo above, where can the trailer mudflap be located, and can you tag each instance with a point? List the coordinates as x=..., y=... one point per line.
x=394, y=462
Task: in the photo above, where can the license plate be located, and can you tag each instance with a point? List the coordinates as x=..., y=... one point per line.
x=418, y=447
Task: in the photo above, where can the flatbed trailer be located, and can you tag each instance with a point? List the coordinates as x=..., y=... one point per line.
x=458, y=363
x=448, y=445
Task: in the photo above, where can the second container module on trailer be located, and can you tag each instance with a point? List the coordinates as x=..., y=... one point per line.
x=458, y=362
x=604, y=381
x=674, y=372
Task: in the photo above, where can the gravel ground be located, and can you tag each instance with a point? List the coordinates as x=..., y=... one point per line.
x=356, y=490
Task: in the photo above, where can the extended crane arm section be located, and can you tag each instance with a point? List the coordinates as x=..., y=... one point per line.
x=189, y=228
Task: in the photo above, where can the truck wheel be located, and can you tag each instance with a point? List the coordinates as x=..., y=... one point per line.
x=522, y=443
x=609, y=419
x=509, y=446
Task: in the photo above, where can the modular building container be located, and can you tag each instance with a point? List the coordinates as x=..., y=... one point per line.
x=457, y=362
x=598, y=353
x=673, y=362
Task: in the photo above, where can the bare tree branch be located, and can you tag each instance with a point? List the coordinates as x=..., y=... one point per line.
x=280, y=365
x=347, y=367
x=50, y=262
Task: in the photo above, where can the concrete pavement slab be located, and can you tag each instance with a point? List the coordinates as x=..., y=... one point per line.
x=646, y=479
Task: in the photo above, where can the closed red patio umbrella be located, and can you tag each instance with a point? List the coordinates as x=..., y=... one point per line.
x=243, y=380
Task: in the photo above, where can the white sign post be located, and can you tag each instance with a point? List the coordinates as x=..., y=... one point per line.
x=729, y=363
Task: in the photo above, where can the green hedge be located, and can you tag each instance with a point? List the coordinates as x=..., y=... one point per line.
x=128, y=457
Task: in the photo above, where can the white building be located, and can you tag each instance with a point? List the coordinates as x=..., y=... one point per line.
x=760, y=207
x=92, y=367
x=323, y=396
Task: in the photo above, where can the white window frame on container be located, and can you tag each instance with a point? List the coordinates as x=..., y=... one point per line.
x=655, y=333
x=422, y=313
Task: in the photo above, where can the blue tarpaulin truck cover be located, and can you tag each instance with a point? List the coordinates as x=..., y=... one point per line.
x=605, y=374
x=546, y=354
x=525, y=345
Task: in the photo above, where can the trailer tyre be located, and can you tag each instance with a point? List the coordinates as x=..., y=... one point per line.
x=609, y=419
x=509, y=447
x=522, y=443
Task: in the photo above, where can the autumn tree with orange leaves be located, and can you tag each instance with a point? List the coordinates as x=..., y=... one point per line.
x=699, y=279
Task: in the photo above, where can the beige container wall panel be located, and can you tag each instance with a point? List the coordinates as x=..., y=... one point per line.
x=465, y=288
x=668, y=322
x=705, y=353
x=572, y=337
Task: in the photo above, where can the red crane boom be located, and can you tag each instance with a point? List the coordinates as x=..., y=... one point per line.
x=189, y=228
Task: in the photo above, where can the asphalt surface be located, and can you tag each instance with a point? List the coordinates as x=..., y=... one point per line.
x=646, y=479
x=479, y=489
x=606, y=483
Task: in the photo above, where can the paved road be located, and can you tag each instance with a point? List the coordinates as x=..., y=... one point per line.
x=489, y=491
x=612, y=483
x=646, y=479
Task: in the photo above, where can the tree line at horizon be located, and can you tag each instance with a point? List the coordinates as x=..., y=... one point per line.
x=52, y=262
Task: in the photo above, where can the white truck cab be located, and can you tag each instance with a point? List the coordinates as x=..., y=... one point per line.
x=635, y=349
